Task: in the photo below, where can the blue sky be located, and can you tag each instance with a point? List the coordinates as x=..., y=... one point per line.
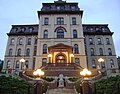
x=25, y=12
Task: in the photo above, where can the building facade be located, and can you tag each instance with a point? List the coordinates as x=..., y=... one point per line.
x=60, y=37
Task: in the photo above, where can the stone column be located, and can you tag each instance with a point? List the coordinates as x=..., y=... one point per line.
x=38, y=87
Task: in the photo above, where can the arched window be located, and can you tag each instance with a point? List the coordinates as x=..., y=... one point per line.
x=44, y=61
x=76, y=51
x=12, y=41
x=10, y=51
x=93, y=64
x=8, y=64
x=101, y=51
x=92, y=51
x=45, y=34
x=27, y=64
x=74, y=33
x=20, y=41
x=99, y=41
x=60, y=33
x=109, y=51
x=107, y=41
x=19, y=52
x=112, y=63
x=29, y=41
x=45, y=49
x=17, y=64
x=28, y=52
x=90, y=41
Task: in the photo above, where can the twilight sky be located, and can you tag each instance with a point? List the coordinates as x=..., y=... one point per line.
x=25, y=12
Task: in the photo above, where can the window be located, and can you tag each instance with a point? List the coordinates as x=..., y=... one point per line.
x=22, y=29
x=17, y=64
x=73, y=21
x=107, y=41
x=10, y=51
x=20, y=41
x=91, y=29
x=44, y=61
x=46, y=21
x=76, y=49
x=101, y=51
x=73, y=7
x=27, y=63
x=97, y=28
x=60, y=21
x=90, y=41
x=99, y=41
x=35, y=50
x=92, y=51
x=104, y=29
x=28, y=52
x=109, y=51
x=112, y=63
x=19, y=52
x=35, y=41
x=77, y=61
x=12, y=41
x=93, y=64
x=74, y=33
x=60, y=33
x=29, y=41
x=60, y=7
x=45, y=34
x=45, y=49
x=8, y=64
x=30, y=29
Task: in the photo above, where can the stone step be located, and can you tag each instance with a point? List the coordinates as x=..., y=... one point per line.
x=61, y=91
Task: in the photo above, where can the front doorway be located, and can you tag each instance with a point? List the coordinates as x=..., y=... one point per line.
x=61, y=58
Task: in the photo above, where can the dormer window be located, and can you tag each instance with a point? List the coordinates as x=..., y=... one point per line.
x=72, y=7
x=23, y=29
x=60, y=7
x=30, y=29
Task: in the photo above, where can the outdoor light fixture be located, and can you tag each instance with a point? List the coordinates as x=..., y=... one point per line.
x=101, y=60
x=22, y=61
x=85, y=72
x=38, y=72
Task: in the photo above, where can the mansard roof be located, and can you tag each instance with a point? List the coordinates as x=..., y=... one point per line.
x=88, y=29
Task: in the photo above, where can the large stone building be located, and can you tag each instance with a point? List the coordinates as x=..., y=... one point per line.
x=60, y=37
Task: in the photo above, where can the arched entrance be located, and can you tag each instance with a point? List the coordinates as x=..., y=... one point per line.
x=61, y=58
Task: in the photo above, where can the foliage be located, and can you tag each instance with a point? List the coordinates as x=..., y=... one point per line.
x=47, y=79
x=9, y=85
x=74, y=79
x=78, y=87
x=45, y=86
x=107, y=86
x=1, y=65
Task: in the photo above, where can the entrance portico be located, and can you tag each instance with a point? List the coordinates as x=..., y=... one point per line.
x=60, y=53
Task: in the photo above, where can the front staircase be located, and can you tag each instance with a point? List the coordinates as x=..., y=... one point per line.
x=61, y=91
x=67, y=69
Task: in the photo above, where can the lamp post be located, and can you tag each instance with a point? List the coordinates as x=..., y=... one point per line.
x=38, y=84
x=103, y=71
x=86, y=82
x=22, y=61
x=101, y=60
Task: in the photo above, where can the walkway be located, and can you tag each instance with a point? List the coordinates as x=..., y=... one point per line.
x=61, y=91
